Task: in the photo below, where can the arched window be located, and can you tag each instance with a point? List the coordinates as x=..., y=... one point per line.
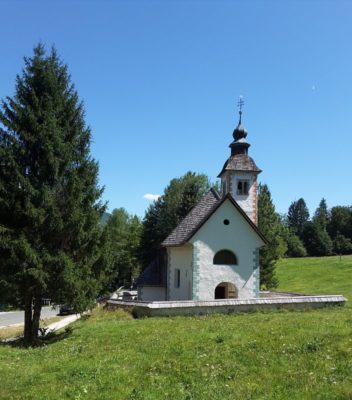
x=225, y=257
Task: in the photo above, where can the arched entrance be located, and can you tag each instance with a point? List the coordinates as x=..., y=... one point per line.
x=226, y=290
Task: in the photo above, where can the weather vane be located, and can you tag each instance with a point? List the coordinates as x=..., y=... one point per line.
x=240, y=104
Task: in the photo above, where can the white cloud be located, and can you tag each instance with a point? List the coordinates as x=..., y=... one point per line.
x=151, y=197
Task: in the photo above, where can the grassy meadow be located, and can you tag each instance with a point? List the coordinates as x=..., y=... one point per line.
x=263, y=355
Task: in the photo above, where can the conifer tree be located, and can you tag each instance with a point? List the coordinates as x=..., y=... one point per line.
x=321, y=215
x=298, y=216
x=270, y=225
x=315, y=234
x=49, y=196
x=124, y=232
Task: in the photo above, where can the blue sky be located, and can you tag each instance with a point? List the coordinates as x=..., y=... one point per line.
x=160, y=81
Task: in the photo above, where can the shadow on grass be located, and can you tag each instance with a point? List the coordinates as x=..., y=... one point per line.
x=46, y=340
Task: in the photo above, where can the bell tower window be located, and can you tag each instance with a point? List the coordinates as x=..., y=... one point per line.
x=242, y=187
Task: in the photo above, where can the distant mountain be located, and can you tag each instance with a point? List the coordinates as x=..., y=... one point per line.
x=104, y=218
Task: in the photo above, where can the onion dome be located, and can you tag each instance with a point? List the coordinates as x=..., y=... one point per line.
x=239, y=159
x=240, y=131
x=239, y=145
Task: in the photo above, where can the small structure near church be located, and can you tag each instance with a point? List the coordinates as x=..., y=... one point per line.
x=214, y=252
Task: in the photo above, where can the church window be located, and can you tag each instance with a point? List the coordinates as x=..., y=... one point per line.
x=224, y=257
x=177, y=278
x=242, y=187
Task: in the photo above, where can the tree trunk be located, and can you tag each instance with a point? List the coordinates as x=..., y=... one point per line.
x=28, y=320
x=37, y=308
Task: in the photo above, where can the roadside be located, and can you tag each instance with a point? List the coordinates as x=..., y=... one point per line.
x=17, y=317
x=55, y=326
x=10, y=333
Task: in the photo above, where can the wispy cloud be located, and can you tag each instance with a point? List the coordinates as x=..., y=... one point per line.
x=151, y=197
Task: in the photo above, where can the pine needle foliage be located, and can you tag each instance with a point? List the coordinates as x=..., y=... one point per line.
x=270, y=225
x=49, y=195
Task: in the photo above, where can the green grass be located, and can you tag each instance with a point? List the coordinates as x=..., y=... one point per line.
x=273, y=355
x=316, y=275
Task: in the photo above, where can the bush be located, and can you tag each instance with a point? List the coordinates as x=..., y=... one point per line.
x=316, y=240
x=342, y=245
x=295, y=247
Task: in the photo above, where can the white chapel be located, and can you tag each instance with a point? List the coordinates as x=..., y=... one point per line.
x=214, y=252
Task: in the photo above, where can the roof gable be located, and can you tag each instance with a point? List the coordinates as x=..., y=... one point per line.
x=200, y=214
x=192, y=221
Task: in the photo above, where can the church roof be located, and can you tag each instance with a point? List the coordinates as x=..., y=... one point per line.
x=199, y=214
x=185, y=229
x=240, y=162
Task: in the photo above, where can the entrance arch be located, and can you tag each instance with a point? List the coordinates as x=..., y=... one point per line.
x=225, y=290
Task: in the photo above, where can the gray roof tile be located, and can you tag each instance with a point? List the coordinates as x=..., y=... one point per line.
x=193, y=219
x=240, y=162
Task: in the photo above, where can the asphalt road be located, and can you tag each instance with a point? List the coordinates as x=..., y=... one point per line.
x=17, y=317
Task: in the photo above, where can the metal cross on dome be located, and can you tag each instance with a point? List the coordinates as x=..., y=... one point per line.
x=240, y=104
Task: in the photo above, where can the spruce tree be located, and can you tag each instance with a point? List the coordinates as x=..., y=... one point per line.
x=298, y=216
x=316, y=237
x=321, y=215
x=270, y=225
x=124, y=232
x=49, y=196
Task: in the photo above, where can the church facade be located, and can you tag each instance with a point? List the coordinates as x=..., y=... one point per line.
x=214, y=252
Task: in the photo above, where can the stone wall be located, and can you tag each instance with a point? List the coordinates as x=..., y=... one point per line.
x=151, y=293
x=187, y=308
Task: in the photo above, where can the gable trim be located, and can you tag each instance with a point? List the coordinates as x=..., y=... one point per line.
x=228, y=196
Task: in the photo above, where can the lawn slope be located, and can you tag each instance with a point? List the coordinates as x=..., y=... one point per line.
x=316, y=275
x=273, y=355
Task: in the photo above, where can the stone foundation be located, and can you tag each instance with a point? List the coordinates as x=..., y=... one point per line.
x=278, y=301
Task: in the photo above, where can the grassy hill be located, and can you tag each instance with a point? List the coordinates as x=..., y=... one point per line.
x=273, y=355
x=322, y=275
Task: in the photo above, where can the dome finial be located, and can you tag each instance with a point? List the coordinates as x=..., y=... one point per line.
x=240, y=131
x=240, y=104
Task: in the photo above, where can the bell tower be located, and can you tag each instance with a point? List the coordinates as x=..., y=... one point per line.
x=239, y=173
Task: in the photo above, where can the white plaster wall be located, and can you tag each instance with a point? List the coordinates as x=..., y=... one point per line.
x=151, y=293
x=180, y=258
x=245, y=202
x=238, y=237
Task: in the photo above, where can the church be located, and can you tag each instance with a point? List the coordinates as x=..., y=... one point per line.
x=214, y=252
